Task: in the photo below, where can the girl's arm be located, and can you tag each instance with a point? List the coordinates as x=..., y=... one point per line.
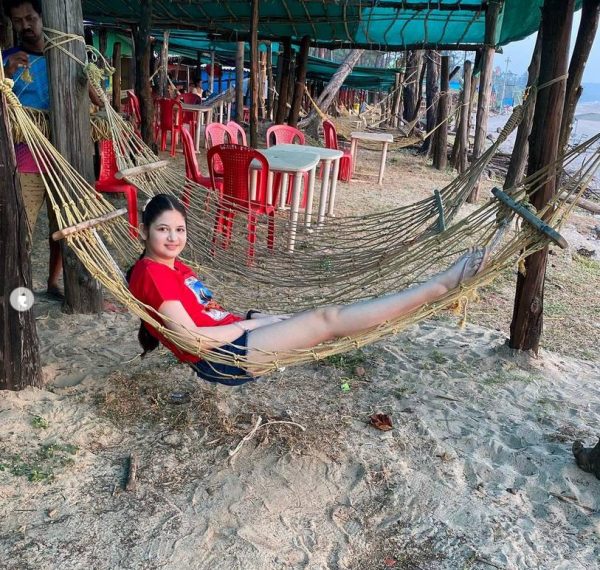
x=178, y=320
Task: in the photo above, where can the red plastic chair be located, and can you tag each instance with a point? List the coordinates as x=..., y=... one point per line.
x=236, y=160
x=189, y=117
x=216, y=134
x=284, y=134
x=331, y=141
x=132, y=108
x=107, y=182
x=193, y=172
x=237, y=133
x=170, y=115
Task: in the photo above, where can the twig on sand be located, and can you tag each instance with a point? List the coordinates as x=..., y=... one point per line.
x=573, y=501
x=133, y=464
x=488, y=562
x=256, y=427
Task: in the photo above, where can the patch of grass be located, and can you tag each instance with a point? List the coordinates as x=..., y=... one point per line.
x=438, y=357
x=347, y=362
x=41, y=466
x=505, y=376
x=39, y=422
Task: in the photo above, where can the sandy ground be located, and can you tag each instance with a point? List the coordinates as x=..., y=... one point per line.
x=477, y=471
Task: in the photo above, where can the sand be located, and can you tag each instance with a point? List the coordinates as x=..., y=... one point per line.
x=477, y=471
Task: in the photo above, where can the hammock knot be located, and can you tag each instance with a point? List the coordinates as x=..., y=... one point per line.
x=6, y=88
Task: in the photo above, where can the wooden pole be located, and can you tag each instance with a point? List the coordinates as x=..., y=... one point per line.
x=432, y=94
x=143, y=53
x=19, y=346
x=440, y=144
x=462, y=133
x=132, y=70
x=254, y=75
x=71, y=135
x=397, y=99
x=285, y=77
x=262, y=80
x=301, y=63
x=163, y=84
x=590, y=13
x=239, y=83
x=211, y=77
x=412, y=88
x=198, y=75
x=518, y=157
x=557, y=18
x=270, y=86
x=103, y=41
x=485, y=85
x=116, y=78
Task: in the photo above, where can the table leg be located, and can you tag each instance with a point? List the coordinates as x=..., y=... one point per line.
x=353, y=153
x=253, y=181
x=334, y=181
x=382, y=165
x=221, y=112
x=283, y=190
x=269, y=188
x=324, y=192
x=197, y=133
x=295, y=210
x=309, y=198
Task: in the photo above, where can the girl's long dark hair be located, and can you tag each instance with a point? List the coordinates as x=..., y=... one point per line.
x=154, y=208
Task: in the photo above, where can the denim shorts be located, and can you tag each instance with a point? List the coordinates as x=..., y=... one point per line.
x=222, y=373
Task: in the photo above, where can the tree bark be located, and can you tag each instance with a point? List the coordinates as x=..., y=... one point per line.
x=590, y=13
x=311, y=121
x=518, y=157
x=70, y=128
x=270, y=90
x=116, y=78
x=412, y=89
x=19, y=346
x=239, y=83
x=254, y=75
x=163, y=82
x=557, y=17
x=462, y=134
x=485, y=85
x=284, y=68
x=432, y=93
x=143, y=53
x=301, y=63
x=440, y=144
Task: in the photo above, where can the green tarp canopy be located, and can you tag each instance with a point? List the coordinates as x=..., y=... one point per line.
x=372, y=24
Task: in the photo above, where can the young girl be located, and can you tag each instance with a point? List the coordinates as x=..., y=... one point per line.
x=161, y=281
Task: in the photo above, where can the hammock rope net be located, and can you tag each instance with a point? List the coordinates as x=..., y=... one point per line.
x=105, y=247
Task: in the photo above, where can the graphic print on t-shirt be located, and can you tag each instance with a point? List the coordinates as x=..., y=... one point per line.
x=204, y=296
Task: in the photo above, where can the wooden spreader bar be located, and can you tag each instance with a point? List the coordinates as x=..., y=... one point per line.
x=531, y=218
x=123, y=174
x=87, y=224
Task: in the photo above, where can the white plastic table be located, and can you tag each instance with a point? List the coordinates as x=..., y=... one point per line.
x=383, y=138
x=327, y=156
x=200, y=111
x=290, y=162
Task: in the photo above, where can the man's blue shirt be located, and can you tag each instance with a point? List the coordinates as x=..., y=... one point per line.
x=34, y=94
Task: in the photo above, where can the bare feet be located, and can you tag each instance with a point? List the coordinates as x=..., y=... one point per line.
x=466, y=266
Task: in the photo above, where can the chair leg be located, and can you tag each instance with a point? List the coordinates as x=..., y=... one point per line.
x=251, y=236
x=131, y=196
x=163, y=140
x=227, y=227
x=271, y=231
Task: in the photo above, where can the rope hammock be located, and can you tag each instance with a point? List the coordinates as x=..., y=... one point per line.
x=100, y=238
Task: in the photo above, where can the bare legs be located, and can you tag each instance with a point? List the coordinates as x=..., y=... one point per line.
x=310, y=328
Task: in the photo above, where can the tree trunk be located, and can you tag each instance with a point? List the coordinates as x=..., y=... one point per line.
x=485, y=86
x=270, y=86
x=71, y=135
x=311, y=122
x=116, y=78
x=440, y=144
x=462, y=133
x=283, y=80
x=395, y=119
x=103, y=41
x=590, y=13
x=143, y=52
x=412, y=88
x=254, y=75
x=163, y=82
x=301, y=63
x=557, y=18
x=518, y=157
x=432, y=63
x=19, y=345
x=239, y=82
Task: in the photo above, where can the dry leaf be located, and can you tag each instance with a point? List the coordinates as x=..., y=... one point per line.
x=382, y=422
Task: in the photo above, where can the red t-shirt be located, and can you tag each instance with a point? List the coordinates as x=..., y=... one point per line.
x=153, y=283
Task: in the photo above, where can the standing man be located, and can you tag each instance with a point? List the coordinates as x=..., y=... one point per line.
x=26, y=65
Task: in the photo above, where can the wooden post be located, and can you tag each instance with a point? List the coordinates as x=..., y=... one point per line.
x=211, y=77
x=301, y=63
x=462, y=133
x=411, y=89
x=397, y=99
x=557, y=19
x=102, y=41
x=440, y=144
x=163, y=83
x=262, y=80
x=198, y=75
x=116, y=78
x=590, y=13
x=19, y=345
x=254, y=75
x=143, y=53
x=518, y=157
x=432, y=95
x=285, y=77
x=485, y=84
x=132, y=70
x=71, y=135
x=270, y=90
x=239, y=83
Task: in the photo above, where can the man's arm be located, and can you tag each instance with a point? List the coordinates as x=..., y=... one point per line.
x=14, y=61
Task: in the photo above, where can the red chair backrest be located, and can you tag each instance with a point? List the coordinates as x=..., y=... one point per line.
x=191, y=98
x=284, y=134
x=236, y=160
x=192, y=170
x=216, y=134
x=330, y=134
x=108, y=162
x=169, y=113
x=237, y=133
